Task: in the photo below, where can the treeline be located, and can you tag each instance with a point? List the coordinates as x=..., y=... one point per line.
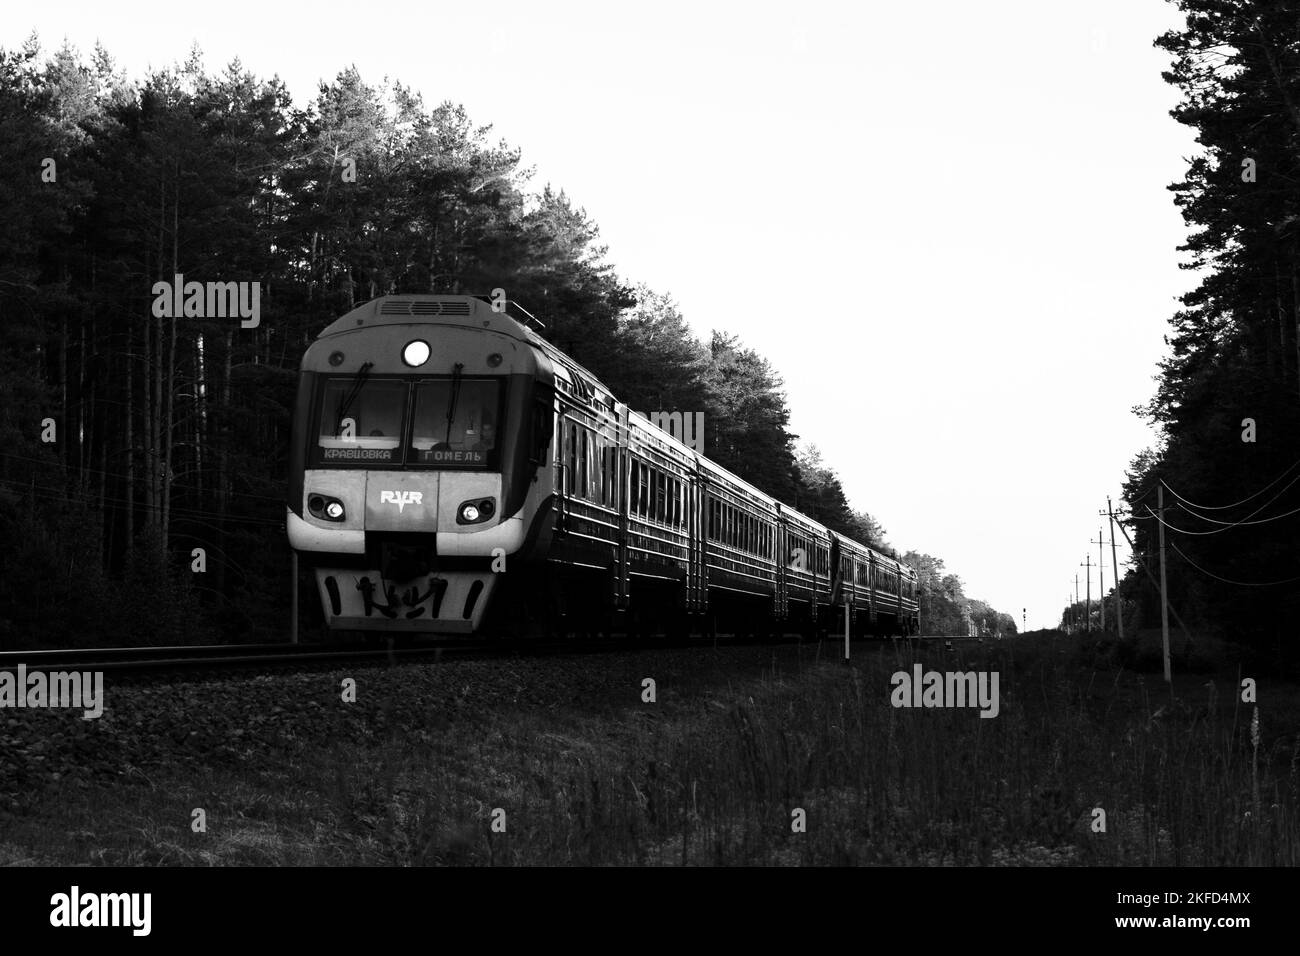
x=129, y=441
x=1228, y=398
x=945, y=608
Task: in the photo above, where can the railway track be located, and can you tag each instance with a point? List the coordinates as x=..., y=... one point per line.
x=201, y=660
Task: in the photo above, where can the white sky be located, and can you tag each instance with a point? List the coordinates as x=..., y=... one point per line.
x=945, y=223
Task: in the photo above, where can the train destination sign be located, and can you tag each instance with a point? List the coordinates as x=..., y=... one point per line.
x=454, y=457
x=357, y=454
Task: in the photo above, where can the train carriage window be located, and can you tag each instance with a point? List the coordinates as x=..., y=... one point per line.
x=592, y=469
x=580, y=440
x=610, y=456
x=570, y=456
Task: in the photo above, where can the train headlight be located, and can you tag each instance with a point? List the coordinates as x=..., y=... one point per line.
x=416, y=353
x=472, y=512
x=326, y=508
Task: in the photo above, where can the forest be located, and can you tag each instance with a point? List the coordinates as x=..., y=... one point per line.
x=129, y=439
x=1227, y=402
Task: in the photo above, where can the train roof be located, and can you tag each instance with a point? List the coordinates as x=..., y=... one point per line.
x=469, y=311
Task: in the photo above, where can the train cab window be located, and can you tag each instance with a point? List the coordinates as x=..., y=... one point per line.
x=456, y=424
x=361, y=423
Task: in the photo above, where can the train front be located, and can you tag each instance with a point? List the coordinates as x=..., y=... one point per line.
x=420, y=425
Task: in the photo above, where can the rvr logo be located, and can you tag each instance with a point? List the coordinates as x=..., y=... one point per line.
x=401, y=498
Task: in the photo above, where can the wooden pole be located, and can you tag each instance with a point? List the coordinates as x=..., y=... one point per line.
x=1164, y=597
x=1114, y=566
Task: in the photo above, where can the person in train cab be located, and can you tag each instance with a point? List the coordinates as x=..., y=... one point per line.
x=487, y=438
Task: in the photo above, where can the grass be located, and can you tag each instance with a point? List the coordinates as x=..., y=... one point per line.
x=712, y=772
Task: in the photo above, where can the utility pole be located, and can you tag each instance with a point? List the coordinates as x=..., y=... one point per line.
x=1146, y=568
x=1101, y=579
x=1087, y=617
x=1114, y=566
x=1076, y=600
x=1164, y=598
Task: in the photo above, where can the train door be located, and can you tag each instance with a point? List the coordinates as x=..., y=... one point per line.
x=782, y=556
x=871, y=596
x=697, y=571
x=622, y=574
x=836, y=572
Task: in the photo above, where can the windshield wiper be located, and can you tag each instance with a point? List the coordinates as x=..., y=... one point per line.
x=358, y=381
x=455, y=395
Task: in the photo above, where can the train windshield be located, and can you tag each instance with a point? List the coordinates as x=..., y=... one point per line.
x=361, y=421
x=441, y=423
x=455, y=421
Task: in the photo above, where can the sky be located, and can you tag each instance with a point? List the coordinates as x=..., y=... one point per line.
x=947, y=225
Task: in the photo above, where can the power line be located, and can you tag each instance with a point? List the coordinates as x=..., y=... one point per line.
x=140, y=477
x=1247, y=584
x=1235, y=524
x=1235, y=504
x=50, y=494
x=1251, y=515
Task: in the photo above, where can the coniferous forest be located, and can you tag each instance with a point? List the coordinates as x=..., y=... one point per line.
x=1227, y=401
x=128, y=440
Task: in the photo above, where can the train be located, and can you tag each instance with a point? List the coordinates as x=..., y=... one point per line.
x=452, y=472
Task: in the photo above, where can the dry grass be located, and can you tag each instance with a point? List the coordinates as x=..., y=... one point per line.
x=712, y=772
